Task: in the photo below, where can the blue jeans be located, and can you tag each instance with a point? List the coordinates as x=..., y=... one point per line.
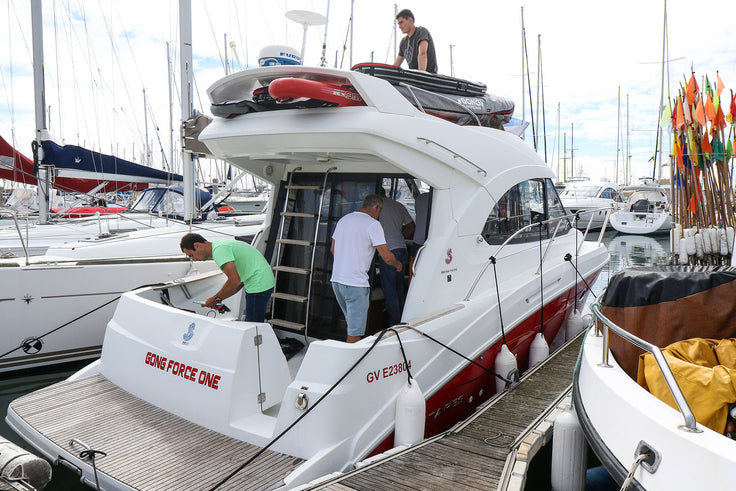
x=354, y=302
x=392, y=283
x=256, y=305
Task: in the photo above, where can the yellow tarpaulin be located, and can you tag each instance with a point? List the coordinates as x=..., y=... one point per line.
x=705, y=370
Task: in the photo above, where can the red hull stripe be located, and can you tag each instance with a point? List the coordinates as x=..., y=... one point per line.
x=294, y=88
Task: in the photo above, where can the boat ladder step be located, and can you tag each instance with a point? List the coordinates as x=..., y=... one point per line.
x=287, y=324
x=298, y=242
x=301, y=186
x=289, y=296
x=290, y=269
x=297, y=214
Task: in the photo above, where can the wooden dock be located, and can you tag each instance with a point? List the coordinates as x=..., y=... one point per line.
x=490, y=450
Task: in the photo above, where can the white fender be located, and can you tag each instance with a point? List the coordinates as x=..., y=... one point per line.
x=682, y=258
x=575, y=324
x=504, y=363
x=538, y=350
x=569, y=453
x=411, y=410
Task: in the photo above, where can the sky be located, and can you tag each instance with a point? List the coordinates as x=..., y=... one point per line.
x=594, y=68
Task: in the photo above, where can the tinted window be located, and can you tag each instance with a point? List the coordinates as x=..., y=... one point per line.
x=531, y=201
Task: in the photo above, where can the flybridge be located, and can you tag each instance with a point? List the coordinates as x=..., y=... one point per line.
x=456, y=100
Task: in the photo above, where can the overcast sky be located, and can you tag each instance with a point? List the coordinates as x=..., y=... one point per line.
x=101, y=54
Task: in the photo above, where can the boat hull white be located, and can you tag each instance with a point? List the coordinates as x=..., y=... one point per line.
x=617, y=414
x=628, y=222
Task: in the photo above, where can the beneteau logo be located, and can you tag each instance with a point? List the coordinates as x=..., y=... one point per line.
x=189, y=334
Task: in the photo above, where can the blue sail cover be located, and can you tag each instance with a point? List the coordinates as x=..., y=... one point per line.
x=78, y=162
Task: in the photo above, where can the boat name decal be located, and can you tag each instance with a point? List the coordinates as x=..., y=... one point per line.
x=448, y=258
x=187, y=372
x=385, y=372
x=446, y=407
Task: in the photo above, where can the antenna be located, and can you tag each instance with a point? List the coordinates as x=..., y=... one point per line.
x=306, y=18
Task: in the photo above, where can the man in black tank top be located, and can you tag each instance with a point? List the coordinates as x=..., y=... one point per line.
x=417, y=47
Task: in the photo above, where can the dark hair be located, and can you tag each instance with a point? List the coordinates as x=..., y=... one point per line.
x=188, y=241
x=406, y=14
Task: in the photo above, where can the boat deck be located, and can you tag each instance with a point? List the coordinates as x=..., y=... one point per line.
x=490, y=450
x=147, y=447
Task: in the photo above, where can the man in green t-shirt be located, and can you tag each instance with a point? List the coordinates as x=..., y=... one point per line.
x=244, y=267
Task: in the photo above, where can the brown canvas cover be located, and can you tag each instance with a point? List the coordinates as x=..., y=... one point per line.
x=705, y=370
x=666, y=304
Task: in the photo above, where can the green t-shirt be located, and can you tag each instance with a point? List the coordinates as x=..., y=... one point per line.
x=253, y=269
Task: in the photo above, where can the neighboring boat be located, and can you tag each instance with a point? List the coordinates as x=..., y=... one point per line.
x=646, y=211
x=290, y=393
x=593, y=202
x=663, y=419
x=153, y=209
x=55, y=306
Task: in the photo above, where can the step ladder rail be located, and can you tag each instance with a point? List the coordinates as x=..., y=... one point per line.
x=282, y=227
x=314, y=251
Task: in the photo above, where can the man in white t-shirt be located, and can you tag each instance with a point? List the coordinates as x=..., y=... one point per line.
x=356, y=237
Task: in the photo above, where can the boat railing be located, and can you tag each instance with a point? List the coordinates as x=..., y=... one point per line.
x=690, y=423
x=557, y=220
x=412, y=88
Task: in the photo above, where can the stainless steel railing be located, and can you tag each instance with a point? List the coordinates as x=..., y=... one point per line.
x=690, y=423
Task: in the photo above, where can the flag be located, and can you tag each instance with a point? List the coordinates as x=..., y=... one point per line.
x=732, y=109
x=719, y=122
x=720, y=86
x=686, y=111
x=692, y=89
x=680, y=117
x=705, y=147
x=677, y=151
x=699, y=113
x=710, y=110
x=664, y=122
x=693, y=208
x=708, y=90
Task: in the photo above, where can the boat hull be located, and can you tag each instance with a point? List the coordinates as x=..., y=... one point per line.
x=616, y=414
x=628, y=222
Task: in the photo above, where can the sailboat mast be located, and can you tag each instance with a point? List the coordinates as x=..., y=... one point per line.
x=40, y=110
x=657, y=166
x=185, y=34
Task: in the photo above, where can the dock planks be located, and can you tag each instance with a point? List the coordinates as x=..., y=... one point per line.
x=147, y=448
x=462, y=459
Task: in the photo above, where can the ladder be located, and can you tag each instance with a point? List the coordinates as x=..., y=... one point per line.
x=283, y=240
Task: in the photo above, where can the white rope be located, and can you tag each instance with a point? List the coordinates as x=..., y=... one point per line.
x=630, y=477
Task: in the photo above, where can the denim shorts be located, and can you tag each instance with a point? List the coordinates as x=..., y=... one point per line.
x=354, y=302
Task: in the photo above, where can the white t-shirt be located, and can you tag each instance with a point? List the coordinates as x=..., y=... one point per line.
x=393, y=217
x=356, y=236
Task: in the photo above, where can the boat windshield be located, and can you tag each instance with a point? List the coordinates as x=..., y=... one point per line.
x=581, y=192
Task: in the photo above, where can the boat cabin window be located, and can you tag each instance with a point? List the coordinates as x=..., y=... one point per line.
x=308, y=223
x=532, y=201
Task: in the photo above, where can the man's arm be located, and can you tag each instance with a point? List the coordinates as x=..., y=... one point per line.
x=399, y=60
x=389, y=257
x=422, y=55
x=231, y=287
x=332, y=247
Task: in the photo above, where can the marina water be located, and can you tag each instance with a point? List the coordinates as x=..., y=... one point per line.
x=625, y=250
